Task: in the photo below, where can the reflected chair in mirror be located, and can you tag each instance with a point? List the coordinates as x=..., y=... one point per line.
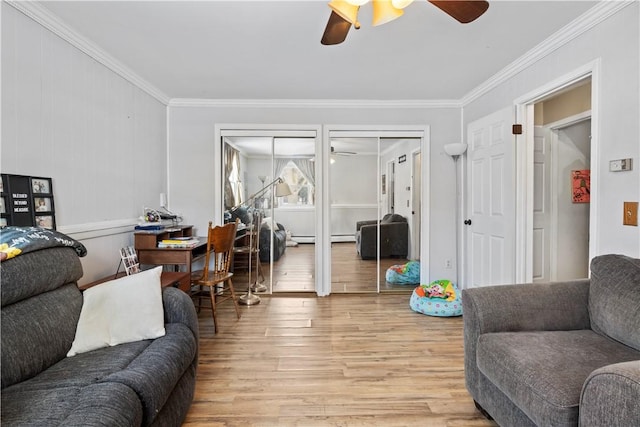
x=214, y=280
x=247, y=255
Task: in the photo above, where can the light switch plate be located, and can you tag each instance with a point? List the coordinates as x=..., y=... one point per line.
x=620, y=165
x=630, y=213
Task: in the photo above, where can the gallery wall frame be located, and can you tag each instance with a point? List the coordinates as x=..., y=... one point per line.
x=27, y=201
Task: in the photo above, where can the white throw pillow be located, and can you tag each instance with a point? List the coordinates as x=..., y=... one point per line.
x=120, y=311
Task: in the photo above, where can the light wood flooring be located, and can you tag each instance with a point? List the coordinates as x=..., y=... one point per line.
x=342, y=360
x=295, y=271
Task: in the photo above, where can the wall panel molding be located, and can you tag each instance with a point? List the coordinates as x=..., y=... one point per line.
x=99, y=229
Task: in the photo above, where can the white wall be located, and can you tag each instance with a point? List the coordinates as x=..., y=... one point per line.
x=616, y=42
x=101, y=139
x=192, y=139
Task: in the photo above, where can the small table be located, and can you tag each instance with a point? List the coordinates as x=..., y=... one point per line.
x=167, y=278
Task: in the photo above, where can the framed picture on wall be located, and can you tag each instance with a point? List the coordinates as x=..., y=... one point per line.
x=42, y=204
x=581, y=186
x=45, y=221
x=41, y=185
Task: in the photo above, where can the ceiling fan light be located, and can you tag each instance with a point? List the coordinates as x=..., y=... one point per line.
x=383, y=12
x=346, y=10
x=401, y=4
x=357, y=2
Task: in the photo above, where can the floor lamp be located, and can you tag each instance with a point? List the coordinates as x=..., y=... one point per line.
x=282, y=189
x=455, y=150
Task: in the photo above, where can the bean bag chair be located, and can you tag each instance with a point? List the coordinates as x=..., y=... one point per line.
x=439, y=298
x=404, y=274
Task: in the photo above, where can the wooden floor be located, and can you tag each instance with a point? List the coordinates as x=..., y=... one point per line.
x=343, y=360
x=295, y=271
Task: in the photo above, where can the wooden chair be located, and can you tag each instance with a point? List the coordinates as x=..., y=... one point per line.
x=217, y=279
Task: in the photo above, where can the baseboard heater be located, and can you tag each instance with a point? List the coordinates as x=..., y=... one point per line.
x=334, y=239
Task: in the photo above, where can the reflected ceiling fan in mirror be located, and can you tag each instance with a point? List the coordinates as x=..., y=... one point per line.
x=341, y=152
x=344, y=14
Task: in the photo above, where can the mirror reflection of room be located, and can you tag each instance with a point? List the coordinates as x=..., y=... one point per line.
x=373, y=220
x=254, y=169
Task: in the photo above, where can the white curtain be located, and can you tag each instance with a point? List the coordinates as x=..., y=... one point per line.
x=280, y=164
x=307, y=167
x=230, y=154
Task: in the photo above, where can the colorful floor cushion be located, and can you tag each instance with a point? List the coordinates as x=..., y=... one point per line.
x=439, y=298
x=404, y=274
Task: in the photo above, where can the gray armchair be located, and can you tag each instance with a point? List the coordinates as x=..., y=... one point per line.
x=394, y=237
x=557, y=354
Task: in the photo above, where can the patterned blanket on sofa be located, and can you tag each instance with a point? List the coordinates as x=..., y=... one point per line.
x=18, y=240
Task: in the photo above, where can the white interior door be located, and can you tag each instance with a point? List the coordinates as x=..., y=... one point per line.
x=490, y=230
x=542, y=191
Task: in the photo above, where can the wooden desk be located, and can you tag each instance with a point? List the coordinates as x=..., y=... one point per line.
x=146, y=244
x=167, y=278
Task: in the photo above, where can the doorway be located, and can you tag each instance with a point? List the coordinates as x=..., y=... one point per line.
x=575, y=95
x=562, y=162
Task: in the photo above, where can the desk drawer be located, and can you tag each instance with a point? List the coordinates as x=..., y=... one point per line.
x=162, y=257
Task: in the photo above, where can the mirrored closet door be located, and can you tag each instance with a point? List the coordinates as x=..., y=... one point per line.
x=375, y=205
x=255, y=165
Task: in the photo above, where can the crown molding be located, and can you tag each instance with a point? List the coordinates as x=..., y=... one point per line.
x=314, y=103
x=580, y=25
x=48, y=20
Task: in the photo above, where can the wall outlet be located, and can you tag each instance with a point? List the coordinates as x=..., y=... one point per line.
x=447, y=263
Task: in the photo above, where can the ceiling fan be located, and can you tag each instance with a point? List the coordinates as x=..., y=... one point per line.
x=344, y=14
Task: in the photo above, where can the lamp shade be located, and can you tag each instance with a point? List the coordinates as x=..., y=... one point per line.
x=383, y=12
x=346, y=10
x=455, y=149
x=282, y=189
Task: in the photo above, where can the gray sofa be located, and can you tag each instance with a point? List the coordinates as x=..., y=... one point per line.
x=142, y=383
x=557, y=354
x=394, y=237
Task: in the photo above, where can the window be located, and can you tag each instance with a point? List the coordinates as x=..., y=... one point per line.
x=302, y=191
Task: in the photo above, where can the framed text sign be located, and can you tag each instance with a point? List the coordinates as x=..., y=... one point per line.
x=27, y=201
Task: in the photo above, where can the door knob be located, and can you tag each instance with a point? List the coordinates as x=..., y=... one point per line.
x=467, y=222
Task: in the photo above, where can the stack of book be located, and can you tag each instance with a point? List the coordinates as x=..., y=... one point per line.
x=179, y=242
x=149, y=226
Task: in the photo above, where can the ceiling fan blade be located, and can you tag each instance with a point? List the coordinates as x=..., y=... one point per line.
x=336, y=30
x=462, y=11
